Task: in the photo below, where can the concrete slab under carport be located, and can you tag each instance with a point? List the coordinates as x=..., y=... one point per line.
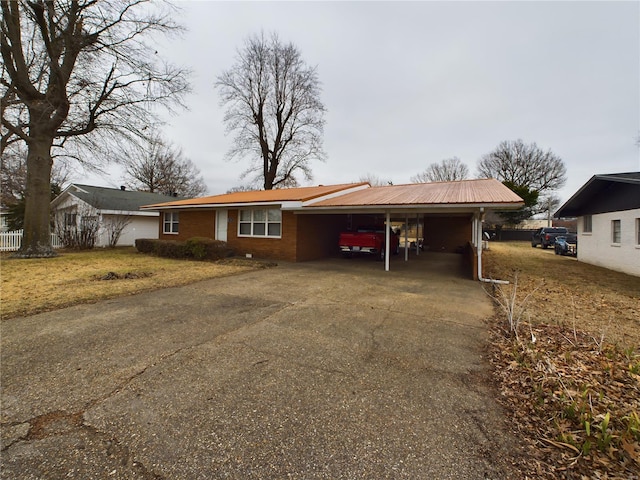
x=425, y=265
x=443, y=219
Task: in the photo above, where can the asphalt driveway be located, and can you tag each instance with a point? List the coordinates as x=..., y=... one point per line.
x=331, y=369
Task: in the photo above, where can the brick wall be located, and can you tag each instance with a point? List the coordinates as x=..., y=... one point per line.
x=304, y=237
x=318, y=235
x=192, y=223
x=283, y=248
x=446, y=234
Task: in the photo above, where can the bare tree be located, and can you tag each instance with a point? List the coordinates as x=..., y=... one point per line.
x=114, y=226
x=548, y=204
x=13, y=179
x=524, y=165
x=527, y=170
x=240, y=188
x=374, y=180
x=161, y=167
x=78, y=228
x=273, y=106
x=73, y=69
x=447, y=170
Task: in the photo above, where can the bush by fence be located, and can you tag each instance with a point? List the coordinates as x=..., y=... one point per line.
x=198, y=248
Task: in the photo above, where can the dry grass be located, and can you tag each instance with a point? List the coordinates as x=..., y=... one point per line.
x=35, y=285
x=594, y=299
x=572, y=379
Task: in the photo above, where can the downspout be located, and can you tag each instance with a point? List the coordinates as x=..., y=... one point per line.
x=478, y=240
x=387, y=236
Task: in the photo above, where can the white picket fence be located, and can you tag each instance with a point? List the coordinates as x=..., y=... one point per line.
x=11, y=241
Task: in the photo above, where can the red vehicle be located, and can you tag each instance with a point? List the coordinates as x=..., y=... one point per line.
x=368, y=240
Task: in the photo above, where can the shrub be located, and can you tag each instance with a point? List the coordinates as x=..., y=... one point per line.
x=202, y=248
x=145, y=245
x=198, y=248
x=170, y=249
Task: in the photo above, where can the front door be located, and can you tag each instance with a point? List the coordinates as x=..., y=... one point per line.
x=221, y=225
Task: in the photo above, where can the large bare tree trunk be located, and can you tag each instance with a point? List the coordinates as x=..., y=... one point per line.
x=36, y=239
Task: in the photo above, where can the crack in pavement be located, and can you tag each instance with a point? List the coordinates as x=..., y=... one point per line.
x=288, y=359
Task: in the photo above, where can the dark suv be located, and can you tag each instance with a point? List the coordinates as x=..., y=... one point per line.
x=546, y=236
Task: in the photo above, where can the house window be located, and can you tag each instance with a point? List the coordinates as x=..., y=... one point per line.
x=638, y=231
x=170, y=223
x=260, y=223
x=586, y=224
x=615, y=231
x=70, y=219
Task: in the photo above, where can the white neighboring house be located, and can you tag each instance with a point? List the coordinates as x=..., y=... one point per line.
x=108, y=209
x=608, y=211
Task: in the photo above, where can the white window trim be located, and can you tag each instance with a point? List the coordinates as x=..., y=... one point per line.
x=170, y=223
x=613, y=242
x=590, y=231
x=266, y=223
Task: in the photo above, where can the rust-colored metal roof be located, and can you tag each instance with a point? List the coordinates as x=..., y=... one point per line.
x=301, y=194
x=482, y=191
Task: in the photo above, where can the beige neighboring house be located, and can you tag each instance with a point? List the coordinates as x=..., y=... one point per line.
x=111, y=208
x=608, y=211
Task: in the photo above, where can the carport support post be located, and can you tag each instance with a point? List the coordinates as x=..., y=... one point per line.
x=387, y=248
x=406, y=238
x=418, y=234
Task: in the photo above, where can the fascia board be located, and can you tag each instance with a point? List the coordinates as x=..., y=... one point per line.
x=285, y=205
x=129, y=212
x=424, y=208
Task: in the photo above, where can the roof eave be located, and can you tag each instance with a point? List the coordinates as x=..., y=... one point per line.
x=416, y=208
x=286, y=204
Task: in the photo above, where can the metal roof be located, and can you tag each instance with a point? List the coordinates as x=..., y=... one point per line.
x=604, y=193
x=300, y=194
x=465, y=192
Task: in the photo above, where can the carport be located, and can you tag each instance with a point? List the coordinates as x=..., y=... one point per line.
x=467, y=200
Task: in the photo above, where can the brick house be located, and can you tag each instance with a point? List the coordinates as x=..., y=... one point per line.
x=300, y=224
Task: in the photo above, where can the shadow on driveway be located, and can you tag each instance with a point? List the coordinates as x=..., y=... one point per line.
x=331, y=369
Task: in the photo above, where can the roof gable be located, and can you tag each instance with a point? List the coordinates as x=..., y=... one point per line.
x=300, y=194
x=104, y=198
x=604, y=193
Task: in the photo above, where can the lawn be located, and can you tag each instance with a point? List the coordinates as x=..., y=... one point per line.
x=570, y=293
x=36, y=285
x=571, y=380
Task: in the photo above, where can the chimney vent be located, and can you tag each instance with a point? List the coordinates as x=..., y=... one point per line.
x=122, y=187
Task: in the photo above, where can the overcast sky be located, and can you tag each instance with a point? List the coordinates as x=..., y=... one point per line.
x=408, y=84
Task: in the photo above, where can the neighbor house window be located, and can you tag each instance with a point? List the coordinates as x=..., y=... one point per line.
x=70, y=219
x=615, y=231
x=265, y=222
x=170, y=223
x=586, y=224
